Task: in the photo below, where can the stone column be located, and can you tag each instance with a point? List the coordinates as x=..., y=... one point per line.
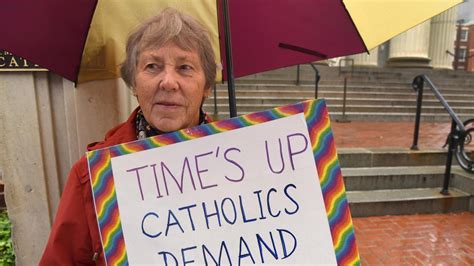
x=45, y=125
x=410, y=49
x=364, y=59
x=25, y=162
x=442, y=37
x=127, y=101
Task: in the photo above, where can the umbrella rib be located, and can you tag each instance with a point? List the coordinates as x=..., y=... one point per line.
x=302, y=50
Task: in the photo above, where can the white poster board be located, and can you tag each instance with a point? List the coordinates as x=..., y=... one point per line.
x=260, y=188
x=210, y=198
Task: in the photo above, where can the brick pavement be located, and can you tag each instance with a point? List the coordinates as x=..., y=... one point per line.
x=362, y=134
x=436, y=239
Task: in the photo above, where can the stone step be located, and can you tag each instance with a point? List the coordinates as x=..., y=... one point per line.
x=393, y=75
x=278, y=101
x=396, y=117
x=333, y=74
x=350, y=108
x=353, y=94
x=390, y=157
x=340, y=87
x=362, y=116
x=396, y=190
x=401, y=177
x=253, y=104
x=338, y=81
x=464, y=181
x=406, y=201
x=373, y=73
x=437, y=78
x=376, y=94
x=369, y=70
x=406, y=177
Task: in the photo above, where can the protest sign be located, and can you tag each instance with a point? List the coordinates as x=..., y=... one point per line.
x=260, y=188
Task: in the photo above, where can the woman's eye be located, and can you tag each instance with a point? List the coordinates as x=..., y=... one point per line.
x=152, y=67
x=185, y=68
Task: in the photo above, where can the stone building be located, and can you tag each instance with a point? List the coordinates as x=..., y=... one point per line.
x=46, y=123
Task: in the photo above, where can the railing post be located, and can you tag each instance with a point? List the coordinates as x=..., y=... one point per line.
x=316, y=84
x=316, y=80
x=229, y=61
x=418, y=87
x=452, y=139
x=344, y=97
x=215, y=101
x=297, y=74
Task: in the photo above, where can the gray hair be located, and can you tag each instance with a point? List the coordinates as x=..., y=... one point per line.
x=170, y=26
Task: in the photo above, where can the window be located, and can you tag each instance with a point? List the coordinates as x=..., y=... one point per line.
x=462, y=54
x=463, y=35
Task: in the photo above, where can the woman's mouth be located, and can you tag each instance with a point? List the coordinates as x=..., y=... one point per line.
x=167, y=104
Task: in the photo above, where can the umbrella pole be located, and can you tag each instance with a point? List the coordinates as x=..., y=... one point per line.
x=229, y=68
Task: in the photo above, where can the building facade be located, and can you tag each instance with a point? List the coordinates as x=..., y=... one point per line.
x=461, y=47
x=46, y=123
x=464, y=47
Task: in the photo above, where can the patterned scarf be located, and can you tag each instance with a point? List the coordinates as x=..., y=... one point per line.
x=144, y=130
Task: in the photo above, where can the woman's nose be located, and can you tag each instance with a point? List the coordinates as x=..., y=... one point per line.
x=169, y=79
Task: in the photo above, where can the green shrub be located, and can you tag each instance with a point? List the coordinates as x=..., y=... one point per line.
x=7, y=257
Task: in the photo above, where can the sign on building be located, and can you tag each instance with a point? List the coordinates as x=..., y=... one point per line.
x=10, y=62
x=260, y=188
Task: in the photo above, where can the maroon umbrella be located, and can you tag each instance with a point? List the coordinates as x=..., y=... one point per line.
x=267, y=35
x=264, y=34
x=50, y=33
x=260, y=35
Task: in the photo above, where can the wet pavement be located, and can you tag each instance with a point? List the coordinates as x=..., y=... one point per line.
x=428, y=239
x=361, y=134
x=421, y=239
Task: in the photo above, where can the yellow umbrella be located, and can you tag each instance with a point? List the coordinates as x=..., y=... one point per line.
x=380, y=20
x=113, y=20
x=376, y=21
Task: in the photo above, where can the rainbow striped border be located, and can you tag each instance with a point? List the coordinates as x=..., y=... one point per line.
x=325, y=156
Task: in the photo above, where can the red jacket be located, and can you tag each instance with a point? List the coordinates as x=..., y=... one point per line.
x=74, y=238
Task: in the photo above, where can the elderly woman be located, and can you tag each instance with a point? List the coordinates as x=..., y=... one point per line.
x=170, y=68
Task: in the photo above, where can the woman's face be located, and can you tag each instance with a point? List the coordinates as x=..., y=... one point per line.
x=170, y=87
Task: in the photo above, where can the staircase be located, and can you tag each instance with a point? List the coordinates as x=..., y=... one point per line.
x=376, y=94
x=401, y=181
x=378, y=181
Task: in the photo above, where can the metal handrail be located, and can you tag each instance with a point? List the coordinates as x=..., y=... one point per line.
x=344, y=96
x=457, y=137
x=317, y=78
x=216, y=111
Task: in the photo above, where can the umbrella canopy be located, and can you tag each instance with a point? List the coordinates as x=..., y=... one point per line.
x=378, y=21
x=50, y=33
x=285, y=33
x=264, y=34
